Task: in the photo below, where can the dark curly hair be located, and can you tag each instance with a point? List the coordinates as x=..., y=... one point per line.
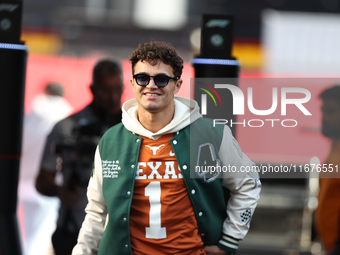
x=154, y=51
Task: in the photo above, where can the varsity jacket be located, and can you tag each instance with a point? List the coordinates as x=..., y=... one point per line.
x=106, y=226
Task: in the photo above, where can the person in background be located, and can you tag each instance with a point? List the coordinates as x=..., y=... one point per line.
x=142, y=197
x=39, y=212
x=69, y=151
x=327, y=215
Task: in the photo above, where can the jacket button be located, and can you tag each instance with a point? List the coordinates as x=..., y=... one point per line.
x=200, y=214
x=174, y=142
x=137, y=141
x=193, y=191
x=133, y=166
x=126, y=245
x=129, y=193
x=124, y=219
x=202, y=234
x=185, y=167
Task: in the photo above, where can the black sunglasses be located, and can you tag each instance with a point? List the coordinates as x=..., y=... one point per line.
x=161, y=80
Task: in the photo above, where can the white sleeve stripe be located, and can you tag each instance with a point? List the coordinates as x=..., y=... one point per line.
x=230, y=239
x=229, y=245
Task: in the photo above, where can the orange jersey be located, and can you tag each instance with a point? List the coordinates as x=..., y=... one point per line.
x=162, y=219
x=327, y=216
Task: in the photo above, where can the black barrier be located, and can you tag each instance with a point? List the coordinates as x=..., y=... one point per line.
x=12, y=88
x=13, y=59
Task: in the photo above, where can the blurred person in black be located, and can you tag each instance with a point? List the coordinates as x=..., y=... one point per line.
x=327, y=216
x=67, y=160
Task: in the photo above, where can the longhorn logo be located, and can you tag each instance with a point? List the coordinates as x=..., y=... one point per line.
x=154, y=149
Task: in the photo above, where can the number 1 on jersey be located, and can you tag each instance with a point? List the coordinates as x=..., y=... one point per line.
x=155, y=231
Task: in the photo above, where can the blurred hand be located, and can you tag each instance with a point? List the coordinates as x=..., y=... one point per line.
x=214, y=250
x=67, y=197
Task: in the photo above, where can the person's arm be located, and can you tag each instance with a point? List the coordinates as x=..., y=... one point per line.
x=244, y=190
x=94, y=224
x=215, y=250
x=45, y=183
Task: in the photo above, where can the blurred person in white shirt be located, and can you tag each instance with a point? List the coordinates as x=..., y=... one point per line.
x=39, y=212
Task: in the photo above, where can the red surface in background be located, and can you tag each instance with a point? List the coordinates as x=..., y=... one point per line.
x=276, y=144
x=75, y=75
x=279, y=144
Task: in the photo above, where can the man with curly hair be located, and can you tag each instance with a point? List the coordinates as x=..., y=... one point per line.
x=144, y=195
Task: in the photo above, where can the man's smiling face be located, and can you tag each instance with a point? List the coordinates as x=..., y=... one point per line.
x=152, y=98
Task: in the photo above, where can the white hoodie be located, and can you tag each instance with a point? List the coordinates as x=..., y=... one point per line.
x=186, y=112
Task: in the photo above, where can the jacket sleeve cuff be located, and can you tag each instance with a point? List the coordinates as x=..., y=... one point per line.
x=228, y=243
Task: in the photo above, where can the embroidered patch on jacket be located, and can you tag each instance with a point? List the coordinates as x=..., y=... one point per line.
x=245, y=216
x=208, y=165
x=110, y=168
